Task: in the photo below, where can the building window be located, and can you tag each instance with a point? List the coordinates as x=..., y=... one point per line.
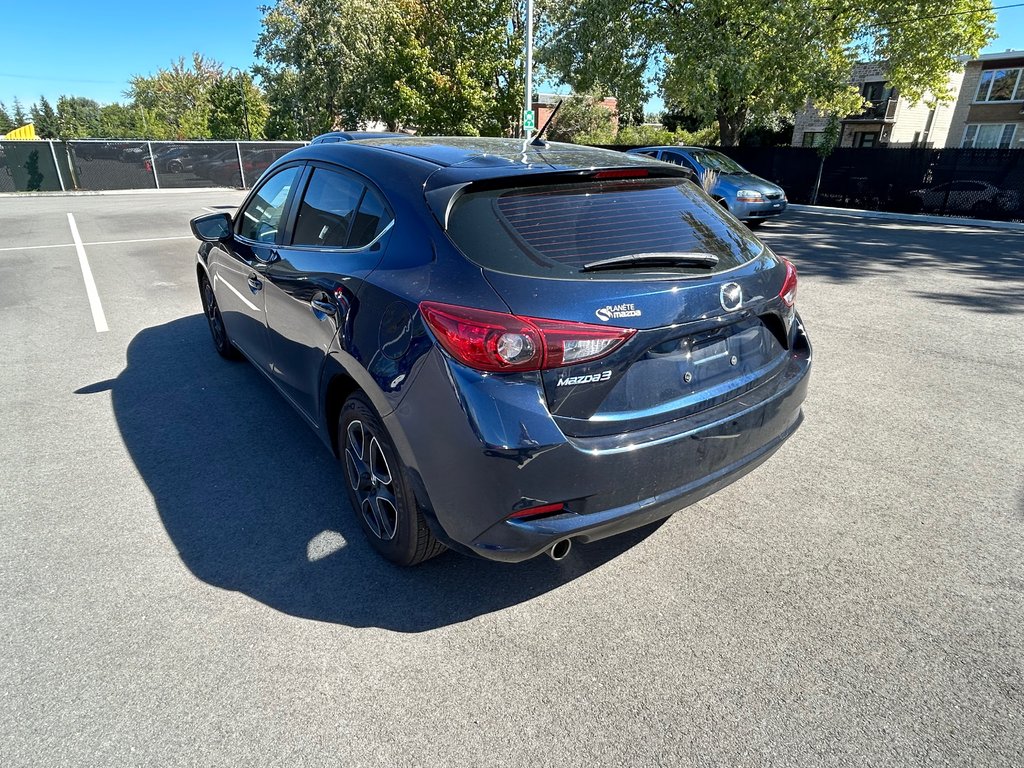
x=865, y=139
x=989, y=136
x=876, y=92
x=1001, y=85
x=812, y=139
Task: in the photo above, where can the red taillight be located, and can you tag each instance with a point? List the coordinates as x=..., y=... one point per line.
x=499, y=342
x=788, y=291
x=545, y=510
x=625, y=173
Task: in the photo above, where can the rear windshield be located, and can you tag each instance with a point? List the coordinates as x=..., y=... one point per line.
x=716, y=161
x=553, y=231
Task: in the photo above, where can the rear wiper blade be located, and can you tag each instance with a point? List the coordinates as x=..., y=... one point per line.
x=695, y=259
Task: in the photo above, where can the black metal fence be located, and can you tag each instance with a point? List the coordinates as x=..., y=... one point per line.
x=48, y=166
x=976, y=183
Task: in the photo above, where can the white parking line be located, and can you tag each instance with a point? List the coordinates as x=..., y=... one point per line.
x=98, y=318
x=98, y=242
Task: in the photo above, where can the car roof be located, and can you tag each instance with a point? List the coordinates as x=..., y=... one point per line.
x=355, y=135
x=444, y=164
x=511, y=155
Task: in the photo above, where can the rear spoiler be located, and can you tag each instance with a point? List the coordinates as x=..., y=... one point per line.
x=442, y=198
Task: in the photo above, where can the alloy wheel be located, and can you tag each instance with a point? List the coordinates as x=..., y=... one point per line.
x=371, y=479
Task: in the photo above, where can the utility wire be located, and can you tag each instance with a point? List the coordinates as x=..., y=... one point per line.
x=898, y=22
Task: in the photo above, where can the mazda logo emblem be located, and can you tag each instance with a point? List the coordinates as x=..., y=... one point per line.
x=731, y=297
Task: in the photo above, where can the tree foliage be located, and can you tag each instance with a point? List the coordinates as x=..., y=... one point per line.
x=447, y=66
x=6, y=121
x=78, y=118
x=732, y=61
x=583, y=119
x=44, y=117
x=20, y=118
x=178, y=97
x=238, y=109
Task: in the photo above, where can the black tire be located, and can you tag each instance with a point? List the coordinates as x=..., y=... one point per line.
x=174, y=166
x=754, y=223
x=214, y=319
x=378, y=487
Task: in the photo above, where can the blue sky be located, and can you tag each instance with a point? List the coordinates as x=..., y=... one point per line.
x=70, y=47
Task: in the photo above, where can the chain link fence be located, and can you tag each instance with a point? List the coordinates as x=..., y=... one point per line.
x=53, y=166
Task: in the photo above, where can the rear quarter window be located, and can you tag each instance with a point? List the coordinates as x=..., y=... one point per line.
x=554, y=231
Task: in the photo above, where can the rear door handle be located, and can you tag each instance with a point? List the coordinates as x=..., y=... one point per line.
x=255, y=284
x=323, y=307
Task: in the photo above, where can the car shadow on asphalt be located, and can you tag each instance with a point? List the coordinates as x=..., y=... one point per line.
x=255, y=503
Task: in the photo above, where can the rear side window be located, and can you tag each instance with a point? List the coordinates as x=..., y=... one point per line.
x=554, y=231
x=339, y=211
x=327, y=210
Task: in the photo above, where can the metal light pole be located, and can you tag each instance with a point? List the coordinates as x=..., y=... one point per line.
x=528, y=101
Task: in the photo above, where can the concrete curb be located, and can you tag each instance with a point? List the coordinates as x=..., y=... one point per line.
x=913, y=218
x=84, y=193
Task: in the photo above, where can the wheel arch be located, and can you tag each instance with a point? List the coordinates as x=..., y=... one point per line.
x=337, y=390
x=341, y=376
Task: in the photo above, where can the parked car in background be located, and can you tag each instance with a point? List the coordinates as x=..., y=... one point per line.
x=97, y=150
x=222, y=168
x=978, y=197
x=749, y=198
x=510, y=348
x=180, y=158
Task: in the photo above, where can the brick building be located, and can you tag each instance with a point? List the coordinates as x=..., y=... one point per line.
x=990, y=110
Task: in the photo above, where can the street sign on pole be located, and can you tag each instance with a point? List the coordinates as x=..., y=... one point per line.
x=528, y=123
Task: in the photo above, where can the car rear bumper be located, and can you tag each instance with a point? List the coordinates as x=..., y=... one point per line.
x=509, y=455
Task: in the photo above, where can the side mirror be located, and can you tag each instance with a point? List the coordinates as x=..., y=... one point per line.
x=212, y=228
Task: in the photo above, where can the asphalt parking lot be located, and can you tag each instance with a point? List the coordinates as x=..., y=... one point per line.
x=184, y=584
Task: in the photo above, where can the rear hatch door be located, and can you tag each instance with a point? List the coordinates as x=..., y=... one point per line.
x=654, y=255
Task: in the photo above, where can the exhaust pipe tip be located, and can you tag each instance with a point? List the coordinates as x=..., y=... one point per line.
x=560, y=549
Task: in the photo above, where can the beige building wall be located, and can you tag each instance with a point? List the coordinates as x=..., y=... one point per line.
x=910, y=119
x=969, y=111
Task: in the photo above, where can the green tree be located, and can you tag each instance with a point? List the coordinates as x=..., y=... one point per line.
x=20, y=118
x=448, y=66
x=732, y=61
x=179, y=96
x=649, y=135
x=45, y=119
x=284, y=123
x=238, y=109
x=6, y=121
x=77, y=118
x=583, y=119
x=126, y=121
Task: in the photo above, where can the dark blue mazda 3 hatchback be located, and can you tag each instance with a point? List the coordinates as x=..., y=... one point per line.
x=510, y=348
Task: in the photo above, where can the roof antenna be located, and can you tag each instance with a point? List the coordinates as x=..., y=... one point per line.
x=538, y=140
